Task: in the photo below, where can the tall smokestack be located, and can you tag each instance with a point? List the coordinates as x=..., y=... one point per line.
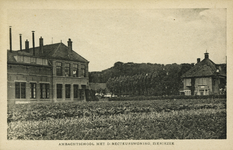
x=69, y=46
x=20, y=41
x=33, y=43
x=10, y=40
x=41, y=46
x=27, y=46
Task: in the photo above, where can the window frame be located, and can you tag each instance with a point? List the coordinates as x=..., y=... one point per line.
x=58, y=67
x=32, y=90
x=20, y=90
x=59, y=91
x=67, y=91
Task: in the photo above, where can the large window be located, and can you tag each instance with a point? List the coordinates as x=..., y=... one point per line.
x=76, y=91
x=20, y=90
x=83, y=71
x=32, y=90
x=58, y=69
x=67, y=70
x=44, y=91
x=59, y=90
x=67, y=90
x=75, y=70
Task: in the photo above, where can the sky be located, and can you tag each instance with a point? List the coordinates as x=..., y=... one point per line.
x=105, y=36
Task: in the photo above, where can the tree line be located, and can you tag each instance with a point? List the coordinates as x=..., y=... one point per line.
x=142, y=79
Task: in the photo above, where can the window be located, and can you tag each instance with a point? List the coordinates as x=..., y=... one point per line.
x=44, y=62
x=32, y=90
x=58, y=69
x=76, y=91
x=21, y=58
x=59, y=90
x=44, y=91
x=67, y=70
x=33, y=60
x=67, y=90
x=83, y=71
x=27, y=59
x=75, y=70
x=20, y=90
x=39, y=61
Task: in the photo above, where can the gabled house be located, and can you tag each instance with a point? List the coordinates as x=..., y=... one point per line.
x=46, y=73
x=205, y=78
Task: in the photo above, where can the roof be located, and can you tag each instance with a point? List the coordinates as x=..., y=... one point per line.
x=205, y=68
x=52, y=51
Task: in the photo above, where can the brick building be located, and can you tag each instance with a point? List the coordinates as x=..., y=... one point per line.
x=205, y=78
x=46, y=73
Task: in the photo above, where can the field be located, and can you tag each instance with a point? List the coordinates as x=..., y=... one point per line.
x=158, y=119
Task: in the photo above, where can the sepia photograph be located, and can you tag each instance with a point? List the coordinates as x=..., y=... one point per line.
x=116, y=77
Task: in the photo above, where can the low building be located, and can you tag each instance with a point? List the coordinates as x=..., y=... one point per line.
x=46, y=73
x=205, y=78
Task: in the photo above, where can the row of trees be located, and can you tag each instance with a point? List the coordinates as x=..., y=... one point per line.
x=166, y=81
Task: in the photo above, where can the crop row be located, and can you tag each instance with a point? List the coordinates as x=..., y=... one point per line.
x=42, y=111
x=184, y=124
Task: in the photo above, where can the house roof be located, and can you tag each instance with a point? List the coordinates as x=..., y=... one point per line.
x=52, y=51
x=205, y=68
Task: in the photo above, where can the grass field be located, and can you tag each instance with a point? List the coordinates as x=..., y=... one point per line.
x=160, y=119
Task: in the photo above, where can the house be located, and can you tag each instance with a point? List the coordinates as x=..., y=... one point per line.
x=46, y=73
x=205, y=78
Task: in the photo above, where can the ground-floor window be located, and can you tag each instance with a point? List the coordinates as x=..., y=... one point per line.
x=20, y=89
x=32, y=90
x=44, y=90
x=67, y=90
x=59, y=90
x=76, y=91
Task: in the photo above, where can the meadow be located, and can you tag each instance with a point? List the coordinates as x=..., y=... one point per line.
x=119, y=120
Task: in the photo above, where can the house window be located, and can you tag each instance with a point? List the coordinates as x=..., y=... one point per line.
x=20, y=90
x=44, y=91
x=59, y=90
x=83, y=71
x=44, y=62
x=75, y=70
x=27, y=59
x=39, y=61
x=33, y=60
x=58, y=69
x=32, y=90
x=76, y=91
x=67, y=90
x=67, y=70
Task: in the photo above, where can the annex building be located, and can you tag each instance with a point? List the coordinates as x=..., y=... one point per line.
x=46, y=73
x=205, y=78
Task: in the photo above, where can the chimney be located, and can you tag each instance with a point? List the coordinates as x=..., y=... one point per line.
x=33, y=43
x=41, y=46
x=69, y=46
x=206, y=55
x=27, y=46
x=198, y=60
x=20, y=41
x=10, y=40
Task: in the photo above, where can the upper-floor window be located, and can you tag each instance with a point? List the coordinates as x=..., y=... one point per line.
x=83, y=71
x=39, y=61
x=75, y=70
x=67, y=69
x=58, y=69
x=33, y=60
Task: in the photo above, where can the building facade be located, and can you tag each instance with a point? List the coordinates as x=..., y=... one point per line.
x=205, y=78
x=47, y=73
